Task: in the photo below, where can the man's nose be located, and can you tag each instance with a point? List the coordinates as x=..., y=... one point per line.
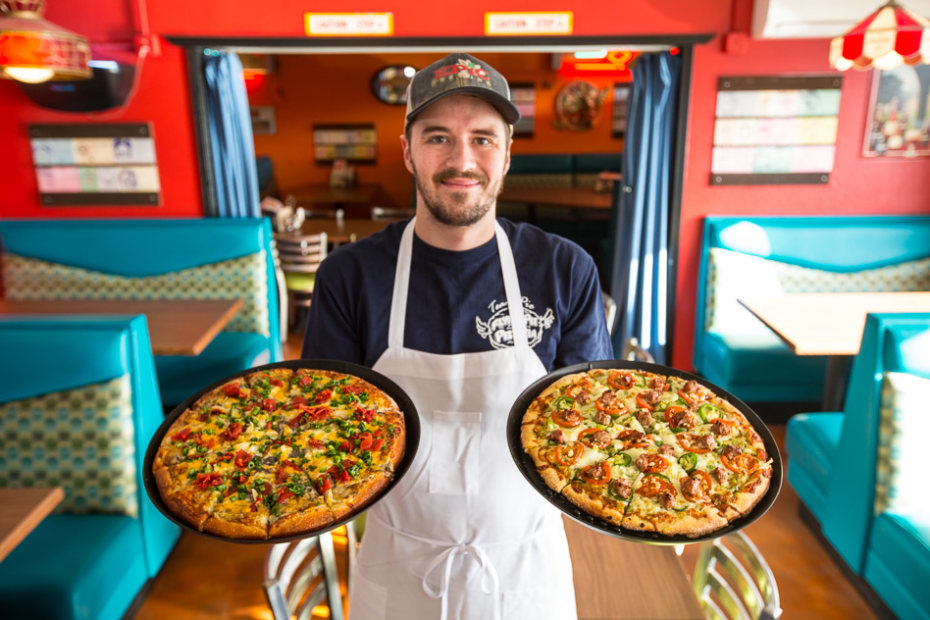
x=461, y=156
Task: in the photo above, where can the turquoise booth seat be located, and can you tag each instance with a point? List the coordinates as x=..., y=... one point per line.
x=78, y=404
x=847, y=466
x=152, y=259
x=766, y=256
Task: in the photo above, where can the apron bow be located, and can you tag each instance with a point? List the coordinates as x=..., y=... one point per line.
x=490, y=583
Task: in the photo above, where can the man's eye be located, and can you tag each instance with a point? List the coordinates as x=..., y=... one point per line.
x=482, y=141
x=436, y=139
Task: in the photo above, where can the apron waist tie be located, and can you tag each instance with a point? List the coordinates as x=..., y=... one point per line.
x=445, y=560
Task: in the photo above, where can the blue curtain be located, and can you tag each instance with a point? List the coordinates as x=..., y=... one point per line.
x=639, y=274
x=231, y=143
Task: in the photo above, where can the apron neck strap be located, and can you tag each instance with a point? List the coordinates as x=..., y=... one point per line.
x=402, y=286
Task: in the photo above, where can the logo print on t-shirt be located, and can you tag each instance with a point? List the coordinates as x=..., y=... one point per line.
x=496, y=329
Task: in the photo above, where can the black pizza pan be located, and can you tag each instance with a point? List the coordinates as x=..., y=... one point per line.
x=528, y=468
x=411, y=422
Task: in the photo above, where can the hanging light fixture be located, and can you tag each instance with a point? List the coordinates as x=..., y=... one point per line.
x=35, y=50
x=890, y=36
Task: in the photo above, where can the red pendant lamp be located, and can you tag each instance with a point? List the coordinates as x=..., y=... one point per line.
x=34, y=50
x=890, y=36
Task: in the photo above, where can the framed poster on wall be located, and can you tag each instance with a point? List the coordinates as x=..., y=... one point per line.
x=898, y=124
x=775, y=130
x=95, y=164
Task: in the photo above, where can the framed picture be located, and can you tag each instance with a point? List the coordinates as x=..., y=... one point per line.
x=898, y=124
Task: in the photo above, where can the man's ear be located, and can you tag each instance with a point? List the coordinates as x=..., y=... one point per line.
x=405, y=147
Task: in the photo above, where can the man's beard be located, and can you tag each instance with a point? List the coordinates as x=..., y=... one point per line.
x=457, y=210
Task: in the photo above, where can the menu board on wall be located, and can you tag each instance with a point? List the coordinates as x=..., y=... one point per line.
x=95, y=164
x=357, y=143
x=775, y=130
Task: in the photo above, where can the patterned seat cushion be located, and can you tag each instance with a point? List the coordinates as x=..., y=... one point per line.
x=900, y=480
x=81, y=439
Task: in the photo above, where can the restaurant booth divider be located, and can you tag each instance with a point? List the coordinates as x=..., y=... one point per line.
x=78, y=404
x=861, y=472
x=772, y=255
x=208, y=258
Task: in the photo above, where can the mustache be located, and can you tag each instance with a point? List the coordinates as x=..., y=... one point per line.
x=449, y=173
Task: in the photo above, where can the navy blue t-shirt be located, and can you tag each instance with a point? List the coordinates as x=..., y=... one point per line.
x=456, y=301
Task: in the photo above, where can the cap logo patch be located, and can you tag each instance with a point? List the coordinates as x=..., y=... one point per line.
x=464, y=70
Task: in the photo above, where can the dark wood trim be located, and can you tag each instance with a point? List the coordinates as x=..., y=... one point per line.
x=363, y=43
x=198, y=89
x=109, y=199
x=776, y=178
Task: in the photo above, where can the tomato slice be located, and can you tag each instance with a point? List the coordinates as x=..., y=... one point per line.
x=688, y=441
x=586, y=437
x=642, y=403
x=741, y=463
x=568, y=454
x=598, y=473
x=620, y=380
x=568, y=418
x=653, y=484
x=653, y=463
x=672, y=410
x=632, y=438
x=699, y=493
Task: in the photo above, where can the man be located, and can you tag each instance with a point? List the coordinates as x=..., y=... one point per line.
x=463, y=312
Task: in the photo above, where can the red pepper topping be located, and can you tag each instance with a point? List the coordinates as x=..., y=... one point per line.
x=269, y=404
x=366, y=415
x=242, y=459
x=205, y=481
x=232, y=432
x=231, y=389
x=323, y=397
x=323, y=484
x=182, y=434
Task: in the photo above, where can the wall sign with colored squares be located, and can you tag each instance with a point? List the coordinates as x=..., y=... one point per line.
x=95, y=164
x=775, y=130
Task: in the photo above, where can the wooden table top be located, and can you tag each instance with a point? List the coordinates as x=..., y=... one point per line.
x=341, y=231
x=828, y=323
x=320, y=193
x=21, y=510
x=574, y=197
x=653, y=582
x=176, y=326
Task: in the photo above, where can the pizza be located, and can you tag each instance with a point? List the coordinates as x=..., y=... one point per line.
x=279, y=452
x=647, y=452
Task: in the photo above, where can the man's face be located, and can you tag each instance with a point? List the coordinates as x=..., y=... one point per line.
x=458, y=153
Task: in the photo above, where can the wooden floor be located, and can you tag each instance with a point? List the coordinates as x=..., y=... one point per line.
x=205, y=578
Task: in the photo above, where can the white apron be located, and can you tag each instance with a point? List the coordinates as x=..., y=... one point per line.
x=463, y=535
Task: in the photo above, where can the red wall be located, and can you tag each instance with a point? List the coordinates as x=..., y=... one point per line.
x=857, y=185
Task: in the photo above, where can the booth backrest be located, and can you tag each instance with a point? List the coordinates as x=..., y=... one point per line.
x=559, y=170
x=764, y=256
x=891, y=344
x=79, y=402
x=146, y=258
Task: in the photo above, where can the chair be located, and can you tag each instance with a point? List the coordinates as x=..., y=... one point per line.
x=391, y=213
x=299, y=575
x=300, y=257
x=733, y=580
x=610, y=311
x=634, y=353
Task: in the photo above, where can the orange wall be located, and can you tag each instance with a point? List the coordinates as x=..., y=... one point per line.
x=303, y=90
x=857, y=185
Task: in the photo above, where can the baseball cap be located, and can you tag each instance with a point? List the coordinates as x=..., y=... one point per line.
x=460, y=74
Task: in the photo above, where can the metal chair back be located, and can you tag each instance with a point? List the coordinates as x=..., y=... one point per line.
x=299, y=575
x=733, y=580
